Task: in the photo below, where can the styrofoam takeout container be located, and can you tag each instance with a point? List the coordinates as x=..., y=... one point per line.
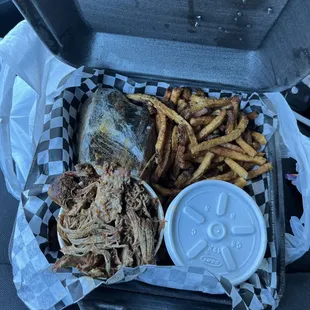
x=216, y=225
x=160, y=215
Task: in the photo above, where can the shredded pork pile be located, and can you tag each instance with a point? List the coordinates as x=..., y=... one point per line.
x=109, y=220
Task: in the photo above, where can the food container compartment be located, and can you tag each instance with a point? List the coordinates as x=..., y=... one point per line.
x=249, y=45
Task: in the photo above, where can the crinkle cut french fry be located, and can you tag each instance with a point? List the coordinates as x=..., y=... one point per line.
x=236, y=168
x=224, y=177
x=161, y=124
x=199, y=103
x=247, y=148
x=262, y=169
x=206, y=145
x=175, y=95
x=203, y=167
x=258, y=137
x=240, y=182
x=233, y=147
x=165, y=191
x=212, y=126
x=237, y=156
x=168, y=112
x=202, y=120
x=167, y=95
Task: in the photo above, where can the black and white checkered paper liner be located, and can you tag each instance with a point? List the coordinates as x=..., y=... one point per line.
x=40, y=287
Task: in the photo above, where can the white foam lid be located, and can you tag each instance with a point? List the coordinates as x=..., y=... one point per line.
x=216, y=225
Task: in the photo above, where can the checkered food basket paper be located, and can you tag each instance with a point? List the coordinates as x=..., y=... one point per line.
x=33, y=252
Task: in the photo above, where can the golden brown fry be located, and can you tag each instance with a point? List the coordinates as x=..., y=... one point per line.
x=236, y=168
x=165, y=191
x=261, y=154
x=262, y=169
x=181, y=105
x=168, y=112
x=187, y=92
x=247, y=148
x=251, y=116
x=230, y=122
x=256, y=145
x=203, y=167
x=174, y=139
x=237, y=156
x=175, y=95
x=226, y=107
x=224, y=139
x=163, y=165
x=182, y=179
x=258, y=137
x=212, y=126
x=150, y=161
x=199, y=103
x=233, y=147
x=161, y=122
x=167, y=95
x=178, y=157
x=203, y=120
x=224, y=177
x=240, y=182
x=182, y=136
x=235, y=103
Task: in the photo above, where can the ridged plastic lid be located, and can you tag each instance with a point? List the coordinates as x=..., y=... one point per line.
x=216, y=225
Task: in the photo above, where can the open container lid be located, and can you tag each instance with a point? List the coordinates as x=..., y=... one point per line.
x=251, y=45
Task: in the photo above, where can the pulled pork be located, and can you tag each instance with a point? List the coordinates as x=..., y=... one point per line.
x=109, y=220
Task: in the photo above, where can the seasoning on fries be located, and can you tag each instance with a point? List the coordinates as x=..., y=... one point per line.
x=201, y=138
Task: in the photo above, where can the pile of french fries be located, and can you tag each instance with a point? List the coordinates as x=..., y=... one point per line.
x=201, y=138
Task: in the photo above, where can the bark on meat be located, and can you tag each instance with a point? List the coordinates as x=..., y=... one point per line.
x=109, y=220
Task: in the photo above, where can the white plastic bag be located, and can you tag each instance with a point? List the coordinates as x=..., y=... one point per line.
x=29, y=75
x=299, y=149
